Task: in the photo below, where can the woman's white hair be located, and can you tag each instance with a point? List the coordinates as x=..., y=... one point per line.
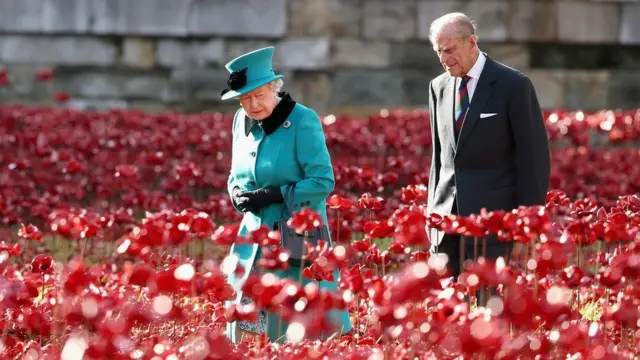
x=277, y=85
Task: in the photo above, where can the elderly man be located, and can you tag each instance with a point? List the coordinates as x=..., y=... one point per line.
x=490, y=147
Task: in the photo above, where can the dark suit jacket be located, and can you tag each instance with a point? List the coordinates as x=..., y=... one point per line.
x=498, y=162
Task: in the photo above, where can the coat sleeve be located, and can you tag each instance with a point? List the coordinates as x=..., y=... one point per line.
x=435, y=149
x=533, y=163
x=231, y=181
x=313, y=156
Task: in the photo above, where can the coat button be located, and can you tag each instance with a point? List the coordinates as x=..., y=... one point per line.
x=253, y=154
x=301, y=204
x=251, y=183
x=308, y=202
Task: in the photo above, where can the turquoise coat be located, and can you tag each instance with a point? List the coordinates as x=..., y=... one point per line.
x=295, y=152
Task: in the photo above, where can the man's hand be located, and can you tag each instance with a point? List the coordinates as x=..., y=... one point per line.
x=253, y=201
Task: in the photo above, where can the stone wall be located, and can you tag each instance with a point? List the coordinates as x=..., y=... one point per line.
x=336, y=55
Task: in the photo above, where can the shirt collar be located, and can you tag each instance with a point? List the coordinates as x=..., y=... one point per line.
x=271, y=123
x=477, y=68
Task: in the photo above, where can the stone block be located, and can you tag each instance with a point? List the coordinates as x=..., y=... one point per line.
x=146, y=86
x=556, y=56
x=586, y=90
x=235, y=48
x=313, y=89
x=624, y=90
x=88, y=104
x=532, y=20
x=23, y=79
x=340, y=18
x=111, y=84
x=549, y=86
x=173, y=52
x=490, y=16
x=302, y=54
x=148, y=106
x=361, y=53
x=255, y=18
x=624, y=57
x=513, y=55
x=415, y=84
x=392, y=20
x=139, y=52
x=630, y=24
x=21, y=16
x=65, y=50
x=211, y=52
x=417, y=54
x=177, y=53
x=193, y=83
x=65, y=16
x=587, y=22
x=367, y=87
x=140, y=17
x=9, y=97
x=90, y=84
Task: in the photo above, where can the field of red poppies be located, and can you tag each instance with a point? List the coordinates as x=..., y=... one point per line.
x=116, y=225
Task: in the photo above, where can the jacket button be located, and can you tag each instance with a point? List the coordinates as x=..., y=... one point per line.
x=301, y=204
x=308, y=202
x=251, y=183
x=253, y=154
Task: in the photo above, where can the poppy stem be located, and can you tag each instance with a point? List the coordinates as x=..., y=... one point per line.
x=357, y=318
x=535, y=280
x=304, y=246
x=526, y=259
x=338, y=226
x=484, y=291
x=475, y=248
x=42, y=304
x=203, y=253
x=279, y=327
x=84, y=248
x=462, y=244
x=579, y=265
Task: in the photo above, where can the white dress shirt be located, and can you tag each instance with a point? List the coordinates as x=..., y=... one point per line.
x=474, y=73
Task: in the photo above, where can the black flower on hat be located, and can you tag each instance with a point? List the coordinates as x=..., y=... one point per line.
x=236, y=81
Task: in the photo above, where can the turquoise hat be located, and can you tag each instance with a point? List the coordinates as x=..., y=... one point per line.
x=249, y=72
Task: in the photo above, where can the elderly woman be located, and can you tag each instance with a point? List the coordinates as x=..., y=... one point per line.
x=276, y=142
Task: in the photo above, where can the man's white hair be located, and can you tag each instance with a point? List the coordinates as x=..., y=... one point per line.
x=457, y=22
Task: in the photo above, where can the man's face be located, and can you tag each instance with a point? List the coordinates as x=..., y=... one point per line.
x=456, y=53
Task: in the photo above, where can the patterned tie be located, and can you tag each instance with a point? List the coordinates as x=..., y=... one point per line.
x=462, y=105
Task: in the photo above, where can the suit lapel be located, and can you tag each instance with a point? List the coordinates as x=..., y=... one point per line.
x=449, y=107
x=479, y=100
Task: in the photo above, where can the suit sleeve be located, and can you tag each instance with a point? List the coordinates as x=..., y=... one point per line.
x=231, y=181
x=533, y=161
x=435, y=149
x=314, y=159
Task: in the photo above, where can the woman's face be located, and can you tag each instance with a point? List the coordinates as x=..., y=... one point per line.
x=259, y=103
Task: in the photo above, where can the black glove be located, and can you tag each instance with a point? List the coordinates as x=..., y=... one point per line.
x=239, y=201
x=252, y=201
